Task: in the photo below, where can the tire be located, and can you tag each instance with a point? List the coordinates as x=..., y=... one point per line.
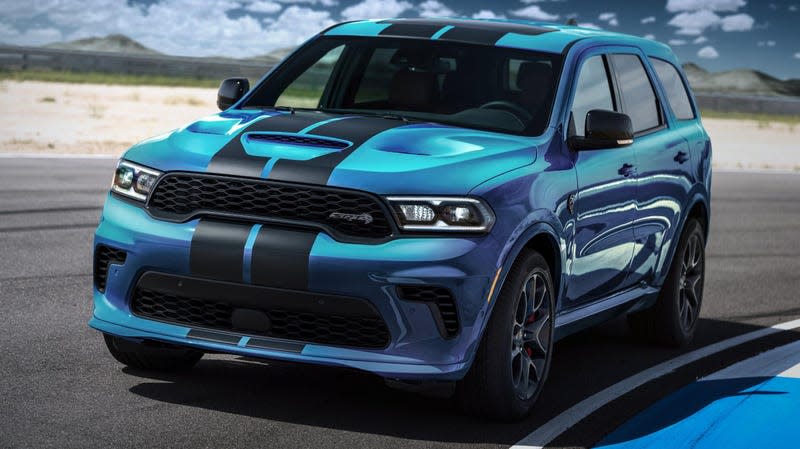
x=518, y=338
x=672, y=321
x=151, y=358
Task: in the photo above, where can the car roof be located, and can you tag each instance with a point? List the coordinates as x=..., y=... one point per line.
x=521, y=34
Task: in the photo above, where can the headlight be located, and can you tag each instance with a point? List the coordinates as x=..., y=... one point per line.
x=453, y=214
x=134, y=181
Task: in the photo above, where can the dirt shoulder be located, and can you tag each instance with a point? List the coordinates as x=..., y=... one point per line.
x=45, y=117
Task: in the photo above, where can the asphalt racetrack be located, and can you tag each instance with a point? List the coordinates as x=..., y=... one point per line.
x=60, y=388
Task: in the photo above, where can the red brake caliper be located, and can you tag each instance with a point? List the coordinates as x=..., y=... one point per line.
x=530, y=319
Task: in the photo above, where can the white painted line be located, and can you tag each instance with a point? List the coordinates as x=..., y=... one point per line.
x=55, y=156
x=757, y=171
x=767, y=364
x=575, y=414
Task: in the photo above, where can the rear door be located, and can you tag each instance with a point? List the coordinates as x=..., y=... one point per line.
x=662, y=166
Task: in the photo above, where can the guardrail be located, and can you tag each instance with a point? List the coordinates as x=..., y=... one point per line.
x=20, y=58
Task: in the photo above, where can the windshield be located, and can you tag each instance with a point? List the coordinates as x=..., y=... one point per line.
x=468, y=85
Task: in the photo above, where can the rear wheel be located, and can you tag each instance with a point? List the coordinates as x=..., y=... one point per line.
x=673, y=319
x=151, y=358
x=513, y=360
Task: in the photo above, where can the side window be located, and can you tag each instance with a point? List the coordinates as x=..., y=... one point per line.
x=673, y=85
x=638, y=97
x=306, y=91
x=592, y=92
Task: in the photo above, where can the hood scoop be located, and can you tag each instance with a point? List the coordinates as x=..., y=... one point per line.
x=299, y=140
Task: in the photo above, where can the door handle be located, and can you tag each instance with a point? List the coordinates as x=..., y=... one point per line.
x=626, y=170
x=681, y=157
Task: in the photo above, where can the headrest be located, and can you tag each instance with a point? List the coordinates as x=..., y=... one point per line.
x=415, y=90
x=534, y=75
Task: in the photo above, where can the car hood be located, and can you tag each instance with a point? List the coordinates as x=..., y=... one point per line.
x=380, y=155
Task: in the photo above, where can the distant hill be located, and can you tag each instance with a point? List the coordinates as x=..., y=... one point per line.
x=273, y=56
x=116, y=43
x=739, y=81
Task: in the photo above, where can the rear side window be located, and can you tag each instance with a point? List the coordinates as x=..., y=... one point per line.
x=673, y=85
x=638, y=97
x=592, y=92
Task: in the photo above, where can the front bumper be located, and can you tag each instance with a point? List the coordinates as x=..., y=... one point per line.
x=416, y=349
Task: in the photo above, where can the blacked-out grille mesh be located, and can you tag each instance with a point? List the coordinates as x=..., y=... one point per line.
x=351, y=213
x=441, y=297
x=103, y=257
x=366, y=331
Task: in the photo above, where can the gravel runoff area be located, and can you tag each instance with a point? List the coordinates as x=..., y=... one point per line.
x=43, y=117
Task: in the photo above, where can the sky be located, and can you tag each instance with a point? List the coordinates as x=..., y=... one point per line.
x=716, y=34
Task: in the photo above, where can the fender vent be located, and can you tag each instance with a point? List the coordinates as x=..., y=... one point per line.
x=103, y=257
x=294, y=139
x=439, y=300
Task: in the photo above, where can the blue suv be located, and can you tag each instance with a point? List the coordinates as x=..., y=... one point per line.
x=426, y=200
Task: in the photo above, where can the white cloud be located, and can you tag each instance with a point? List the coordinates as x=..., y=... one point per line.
x=767, y=43
x=433, y=8
x=180, y=27
x=534, y=12
x=375, y=9
x=694, y=23
x=649, y=19
x=311, y=2
x=266, y=7
x=708, y=5
x=700, y=40
x=487, y=14
x=652, y=37
x=708, y=52
x=606, y=16
x=793, y=8
x=797, y=55
x=737, y=22
x=613, y=22
x=33, y=36
x=676, y=42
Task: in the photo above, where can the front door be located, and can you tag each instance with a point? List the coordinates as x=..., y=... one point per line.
x=605, y=201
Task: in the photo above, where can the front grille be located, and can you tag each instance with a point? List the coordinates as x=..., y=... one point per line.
x=366, y=330
x=291, y=139
x=180, y=196
x=103, y=257
x=440, y=301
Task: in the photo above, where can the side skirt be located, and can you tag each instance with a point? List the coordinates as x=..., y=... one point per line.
x=580, y=318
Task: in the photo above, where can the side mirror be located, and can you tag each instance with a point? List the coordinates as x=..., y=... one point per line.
x=230, y=91
x=604, y=130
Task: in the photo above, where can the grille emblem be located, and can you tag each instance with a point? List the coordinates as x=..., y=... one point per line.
x=364, y=218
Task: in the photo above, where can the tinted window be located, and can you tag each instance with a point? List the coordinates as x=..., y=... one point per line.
x=592, y=92
x=306, y=90
x=676, y=91
x=475, y=86
x=638, y=97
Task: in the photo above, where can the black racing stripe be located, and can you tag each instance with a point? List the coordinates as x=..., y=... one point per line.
x=217, y=250
x=318, y=170
x=233, y=159
x=410, y=30
x=500, y=27
x=280, y=258
x=473, y=35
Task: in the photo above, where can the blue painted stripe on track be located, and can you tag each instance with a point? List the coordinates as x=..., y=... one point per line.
x=248, y=252
x=739, y=413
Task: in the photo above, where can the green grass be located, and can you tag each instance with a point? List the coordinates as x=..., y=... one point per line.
x=763, y=119
x=106, y=78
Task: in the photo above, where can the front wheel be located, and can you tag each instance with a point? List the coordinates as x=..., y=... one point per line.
x=673, y=319
x=513, y=360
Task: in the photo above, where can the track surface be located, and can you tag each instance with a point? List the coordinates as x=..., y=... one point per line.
x=59, y=387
